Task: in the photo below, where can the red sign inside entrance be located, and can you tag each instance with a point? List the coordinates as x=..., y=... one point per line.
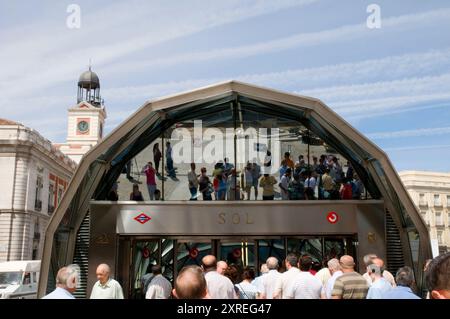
x=332, y=217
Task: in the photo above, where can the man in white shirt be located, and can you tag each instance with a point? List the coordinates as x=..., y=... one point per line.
x=66, y=283
x=106, y=287
x=323, y=275
x=159, y=287
x=271, y=279
x=258, y=281
x=219, y=286
x=305, y=285
x=284, y=284
x=379, y=284
x=221, y=266
x=372, y=258
x=335, y=269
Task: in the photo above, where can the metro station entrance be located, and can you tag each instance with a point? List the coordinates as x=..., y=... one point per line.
x=138, y=253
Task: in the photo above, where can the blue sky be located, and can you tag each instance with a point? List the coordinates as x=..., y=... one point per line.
x=392, y=83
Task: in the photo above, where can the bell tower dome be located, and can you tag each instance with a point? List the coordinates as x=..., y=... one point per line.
x=86, y=119
x=89, y=88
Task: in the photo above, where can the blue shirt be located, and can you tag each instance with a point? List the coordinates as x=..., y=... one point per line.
x=378, y=288
x=59, y=293
x=400, y=292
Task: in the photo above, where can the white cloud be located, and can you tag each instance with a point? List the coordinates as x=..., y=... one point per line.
x=47, y=54
x=416, y=148
x=348, y=32
x=410, y=133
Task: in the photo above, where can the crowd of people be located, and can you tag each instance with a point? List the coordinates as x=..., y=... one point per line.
x=217, y=280
x=324, y=178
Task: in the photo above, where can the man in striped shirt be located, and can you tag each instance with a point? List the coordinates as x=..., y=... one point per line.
x=350, y=285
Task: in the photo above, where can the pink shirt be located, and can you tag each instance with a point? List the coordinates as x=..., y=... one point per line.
x=150, y=172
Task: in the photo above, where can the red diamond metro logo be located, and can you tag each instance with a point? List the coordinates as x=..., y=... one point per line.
x=142, y=218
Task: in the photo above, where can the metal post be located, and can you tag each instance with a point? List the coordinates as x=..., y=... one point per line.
x=162, y=166
x=235, y=144
x=309, y=141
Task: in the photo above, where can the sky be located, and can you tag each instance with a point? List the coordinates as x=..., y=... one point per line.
x=391, y=83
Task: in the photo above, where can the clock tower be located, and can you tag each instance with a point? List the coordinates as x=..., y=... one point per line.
x=86, y=119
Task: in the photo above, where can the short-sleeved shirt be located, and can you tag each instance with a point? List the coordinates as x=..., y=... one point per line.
x=269, y=282
x=110, y=290
x=219, y=286
x=59, y=293
x=150, y=173
x=192, y=179
x=285, y=283
x=159, y=288
x=305, y=286
x=400, y=292
x=267, y=184
x=327, y=182
x=350, y=286
x=247, y=290
x=378, y=288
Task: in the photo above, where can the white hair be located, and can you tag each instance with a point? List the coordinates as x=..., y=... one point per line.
x=68, y=276
x=272, y=263
x=334, y=264
x=264, y=268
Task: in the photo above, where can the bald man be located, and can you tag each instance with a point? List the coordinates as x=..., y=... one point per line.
x=66, y=283
x=219, y=286
x=106, y=287
x=190, y=284
x=350, y=285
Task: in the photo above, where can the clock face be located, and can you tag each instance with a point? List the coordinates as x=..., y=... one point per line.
x=83, y=126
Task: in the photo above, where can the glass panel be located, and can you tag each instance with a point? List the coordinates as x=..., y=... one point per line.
x=270, y=248
x=413, y=236
x=311, y=247
x=141, y=177
x=191, y=253
x=167, y=254
x=207, y=141
x=146, y=254
x=334, y=248
x=241, y=254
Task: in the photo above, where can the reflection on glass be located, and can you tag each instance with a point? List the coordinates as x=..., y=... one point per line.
x=241, y=254
x=191, y=253
x=145, y=256
x=311, y=247
x=271, y=248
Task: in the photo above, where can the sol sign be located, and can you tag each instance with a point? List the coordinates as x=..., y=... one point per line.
x=332, y=217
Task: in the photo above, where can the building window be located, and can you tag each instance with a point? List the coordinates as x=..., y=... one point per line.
x=448, y=200
x=60, y=194
x=439, y=221
x=422, y=201
x=437, y=201
x=51, y=198
x=439, y=237
x=38, y=199
x=36, y=239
